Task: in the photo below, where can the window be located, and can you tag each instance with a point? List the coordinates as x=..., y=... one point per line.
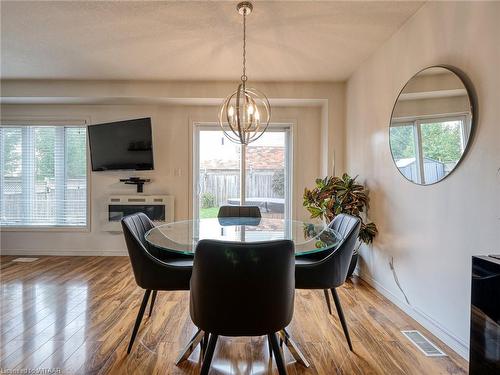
x=219, y=171
x=43, y=176
x=426, y=150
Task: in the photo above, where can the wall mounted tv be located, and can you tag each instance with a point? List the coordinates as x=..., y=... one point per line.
x=121, y=145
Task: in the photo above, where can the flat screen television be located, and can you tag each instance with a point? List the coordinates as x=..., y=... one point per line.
x=121, y=145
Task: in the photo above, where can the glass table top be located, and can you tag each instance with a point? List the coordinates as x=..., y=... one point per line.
x=182, y=236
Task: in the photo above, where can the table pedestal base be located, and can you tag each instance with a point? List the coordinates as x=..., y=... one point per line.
x=293, y=348
x=284, y=337
x=191, y=346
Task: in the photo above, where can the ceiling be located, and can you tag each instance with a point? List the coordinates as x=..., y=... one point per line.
x=184, y=40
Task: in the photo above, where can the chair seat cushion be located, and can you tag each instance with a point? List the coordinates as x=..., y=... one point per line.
x=309, y=276
x=300, y=261
x=180, y=262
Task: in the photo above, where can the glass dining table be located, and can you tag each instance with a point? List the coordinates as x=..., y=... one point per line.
x=182, y=237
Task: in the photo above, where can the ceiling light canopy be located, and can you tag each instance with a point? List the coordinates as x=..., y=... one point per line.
x=245, y=114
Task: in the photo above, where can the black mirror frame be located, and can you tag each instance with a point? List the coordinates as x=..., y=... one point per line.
x=473, y=102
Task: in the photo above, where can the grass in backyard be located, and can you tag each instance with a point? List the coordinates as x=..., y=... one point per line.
x=208, y=213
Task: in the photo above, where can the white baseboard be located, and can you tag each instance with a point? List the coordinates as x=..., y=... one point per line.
x=63, y=252
x=453, y=342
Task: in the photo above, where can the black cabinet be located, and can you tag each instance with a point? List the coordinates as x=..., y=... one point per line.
x=484, y=357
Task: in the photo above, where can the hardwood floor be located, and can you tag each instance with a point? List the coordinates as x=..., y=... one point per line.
x=75, y=315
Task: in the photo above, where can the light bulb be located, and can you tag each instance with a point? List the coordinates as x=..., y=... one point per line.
x=250, y=109
x=230, y=111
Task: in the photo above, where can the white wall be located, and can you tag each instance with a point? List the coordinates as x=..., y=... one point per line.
x=172, y=125
x=430, y=231
x=329, y=95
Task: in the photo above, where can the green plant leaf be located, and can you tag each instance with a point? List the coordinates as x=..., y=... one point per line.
x=335, y=195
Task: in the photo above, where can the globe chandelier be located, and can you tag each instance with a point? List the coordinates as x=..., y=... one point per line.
x=245, y=114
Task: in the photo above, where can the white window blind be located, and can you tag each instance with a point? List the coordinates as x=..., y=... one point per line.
x=43, y=175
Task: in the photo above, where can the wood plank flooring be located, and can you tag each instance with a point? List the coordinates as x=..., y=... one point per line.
x=74, y=315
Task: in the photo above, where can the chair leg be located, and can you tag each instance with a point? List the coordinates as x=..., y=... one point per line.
x=153, y=299
x=341, y=316
x=204, y=343
x=209, y=354
x=270, y=347
x=138, y=320
x=327, y=297
x=277, y=354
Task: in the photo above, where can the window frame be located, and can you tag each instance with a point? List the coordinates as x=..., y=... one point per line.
x=417, y=123
x=62, y=122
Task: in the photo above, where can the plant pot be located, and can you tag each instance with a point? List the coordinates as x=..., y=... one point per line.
x=354, y=262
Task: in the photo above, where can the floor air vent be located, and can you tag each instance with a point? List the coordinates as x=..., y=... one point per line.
x=24, y=260
x=425, y=346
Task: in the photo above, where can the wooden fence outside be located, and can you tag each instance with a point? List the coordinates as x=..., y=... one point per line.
x=225, y=184
x=43, y=206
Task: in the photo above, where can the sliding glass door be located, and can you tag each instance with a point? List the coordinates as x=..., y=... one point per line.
x=222, y=167
x=217, y=172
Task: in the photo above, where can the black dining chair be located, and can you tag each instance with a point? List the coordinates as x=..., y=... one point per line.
x=239, y=211
x=240, y=289
x=329, y=271
x=151, y=273
x=341, y=224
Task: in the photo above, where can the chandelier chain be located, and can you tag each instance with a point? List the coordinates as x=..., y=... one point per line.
x=245, y=114
x=244, y=76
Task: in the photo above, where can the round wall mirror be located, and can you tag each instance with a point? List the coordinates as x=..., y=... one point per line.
x=431, y=124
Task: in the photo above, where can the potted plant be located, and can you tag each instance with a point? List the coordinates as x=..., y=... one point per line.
x=336, y=195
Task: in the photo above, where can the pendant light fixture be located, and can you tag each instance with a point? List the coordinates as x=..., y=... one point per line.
x=245, y=114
